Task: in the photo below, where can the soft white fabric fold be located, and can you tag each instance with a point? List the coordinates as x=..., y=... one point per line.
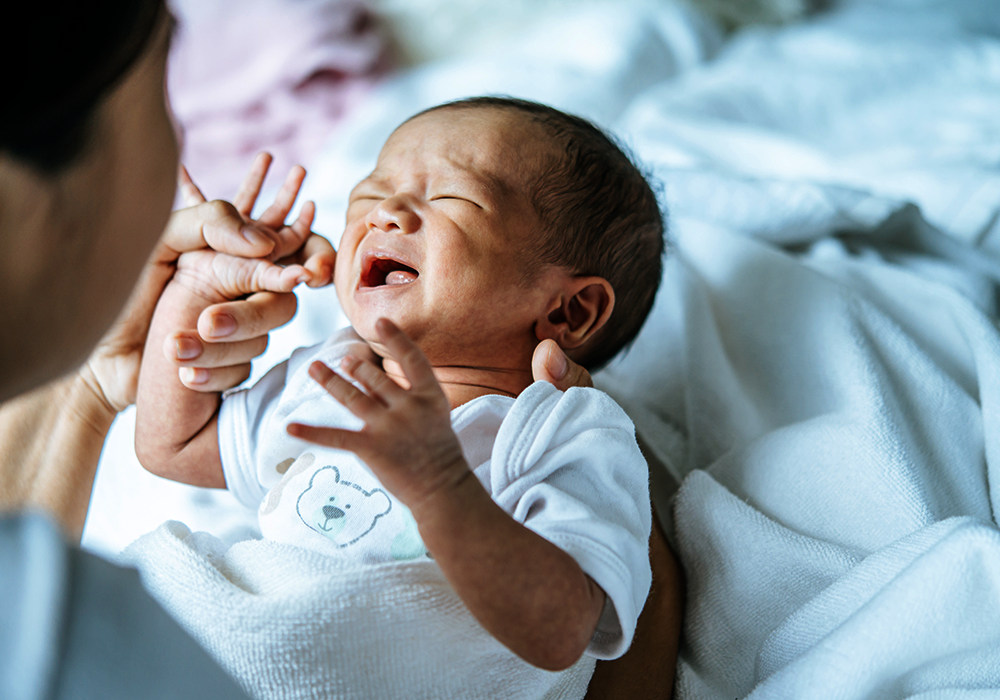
x=291, y=623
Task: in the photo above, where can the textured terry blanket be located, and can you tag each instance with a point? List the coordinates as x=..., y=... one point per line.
x=836, y=522
x=822, y=372
x=291, y=623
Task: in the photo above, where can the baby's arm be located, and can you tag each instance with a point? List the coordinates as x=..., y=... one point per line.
x=527, y=592
x=176, y=433
x=176, y=428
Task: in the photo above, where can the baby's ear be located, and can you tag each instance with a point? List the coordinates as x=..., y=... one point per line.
x=581, y=308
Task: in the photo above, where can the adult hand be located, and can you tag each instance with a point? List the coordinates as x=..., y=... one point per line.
x=550, y=364
x=230, y=334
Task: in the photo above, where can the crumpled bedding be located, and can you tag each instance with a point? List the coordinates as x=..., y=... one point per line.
x=818, y=382
x=292, y=623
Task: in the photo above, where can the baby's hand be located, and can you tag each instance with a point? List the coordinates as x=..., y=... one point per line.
x=217, y=278
x=407, y=440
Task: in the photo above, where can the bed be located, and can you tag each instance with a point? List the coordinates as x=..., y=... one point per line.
x=818, y=383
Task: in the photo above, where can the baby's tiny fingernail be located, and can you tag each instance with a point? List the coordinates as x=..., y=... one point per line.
x=192, y=375
x=254, y=237
x=187, y=348
x=222, y=325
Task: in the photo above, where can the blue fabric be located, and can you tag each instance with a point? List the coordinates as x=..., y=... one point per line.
x=75, y=626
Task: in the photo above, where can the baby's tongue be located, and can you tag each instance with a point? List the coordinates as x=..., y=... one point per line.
x=400, y=277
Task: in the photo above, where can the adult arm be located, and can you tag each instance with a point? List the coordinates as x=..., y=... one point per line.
x=646, y=670
x=76, y=626
x=51, y=438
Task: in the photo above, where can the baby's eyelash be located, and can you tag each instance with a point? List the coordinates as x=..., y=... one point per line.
x=455, y=198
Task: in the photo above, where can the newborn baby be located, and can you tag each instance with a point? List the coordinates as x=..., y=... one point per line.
x=487, y=226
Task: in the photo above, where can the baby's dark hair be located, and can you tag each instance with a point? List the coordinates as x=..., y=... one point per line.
x=600, y=216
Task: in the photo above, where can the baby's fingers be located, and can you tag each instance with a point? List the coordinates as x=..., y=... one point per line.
x=275, y=215
x=375, y=382
x=336, y=438
x=404, y=351
x=190, y=193
x=348, y=395
x=235, y=277
x=290, y=239
x=249, y=190
x=317, y=256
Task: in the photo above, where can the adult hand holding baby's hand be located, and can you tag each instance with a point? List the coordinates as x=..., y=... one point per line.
x=231, y=333
x=407, y=440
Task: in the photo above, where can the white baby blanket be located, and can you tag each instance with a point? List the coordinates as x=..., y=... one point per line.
x=292, y=623
x=836, y=522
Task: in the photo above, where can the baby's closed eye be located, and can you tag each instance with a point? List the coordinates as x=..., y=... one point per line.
x=455, y=198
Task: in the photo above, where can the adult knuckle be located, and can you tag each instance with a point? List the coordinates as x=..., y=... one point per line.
x=219, y=209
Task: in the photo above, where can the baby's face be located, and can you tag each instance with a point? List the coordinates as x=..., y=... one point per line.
x=436, y=238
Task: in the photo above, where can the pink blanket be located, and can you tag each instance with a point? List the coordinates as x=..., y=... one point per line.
x=247, y=75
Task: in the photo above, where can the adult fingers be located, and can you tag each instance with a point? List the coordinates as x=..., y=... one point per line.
x=186, y=349
x=275, y=215
x=348, y=395
x=217, y=224
x=404, y=351
x=190, y=193
x=257, y=315
x=246, y=196
x=215, y=379
x=550, y=364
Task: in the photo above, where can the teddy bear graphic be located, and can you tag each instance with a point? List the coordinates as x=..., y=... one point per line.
x=341, y=511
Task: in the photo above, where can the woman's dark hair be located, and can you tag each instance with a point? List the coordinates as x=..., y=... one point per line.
x=600, y=217
x=59, y=63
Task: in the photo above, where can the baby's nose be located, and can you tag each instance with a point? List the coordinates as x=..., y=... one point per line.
x=394, y=214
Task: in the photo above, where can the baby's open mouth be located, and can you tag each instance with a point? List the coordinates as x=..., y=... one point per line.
x=382, y=271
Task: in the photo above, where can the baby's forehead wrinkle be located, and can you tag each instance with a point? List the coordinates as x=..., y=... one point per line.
x=425, y=165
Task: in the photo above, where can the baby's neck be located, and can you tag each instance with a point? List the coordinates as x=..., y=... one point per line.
x=462, y=384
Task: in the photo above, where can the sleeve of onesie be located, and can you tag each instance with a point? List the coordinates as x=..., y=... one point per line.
x=245, y=417
x=568, y=467
x=241, y=418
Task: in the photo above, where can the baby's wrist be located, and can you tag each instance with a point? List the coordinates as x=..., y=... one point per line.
x=454, y=498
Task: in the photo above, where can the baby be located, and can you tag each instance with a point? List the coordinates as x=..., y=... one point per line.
x=487, y=226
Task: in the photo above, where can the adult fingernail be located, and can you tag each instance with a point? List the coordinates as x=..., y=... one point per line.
x=187, y=348
x=222, y=326
x=255, y=237
x=557, y=363
x=191, y=375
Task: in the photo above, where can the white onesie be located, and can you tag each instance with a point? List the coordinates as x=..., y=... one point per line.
x=566, y=465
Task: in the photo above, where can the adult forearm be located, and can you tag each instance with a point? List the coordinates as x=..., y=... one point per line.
x=50, y=442
x=529, y=594
x=646, y=671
